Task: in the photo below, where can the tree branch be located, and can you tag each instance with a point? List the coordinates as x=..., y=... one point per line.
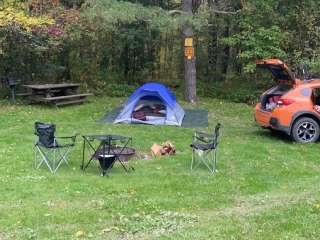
x=226, y=12
x=172, y=12
x=242, y=7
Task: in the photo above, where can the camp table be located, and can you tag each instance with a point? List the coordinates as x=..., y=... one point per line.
x=107, y=145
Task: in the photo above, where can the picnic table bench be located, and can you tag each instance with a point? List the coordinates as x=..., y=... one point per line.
x=57, y=94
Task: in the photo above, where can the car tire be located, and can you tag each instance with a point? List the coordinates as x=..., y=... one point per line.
x=305, y=130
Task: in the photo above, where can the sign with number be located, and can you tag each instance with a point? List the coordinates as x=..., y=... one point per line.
x=188, y=42
x=189, y=52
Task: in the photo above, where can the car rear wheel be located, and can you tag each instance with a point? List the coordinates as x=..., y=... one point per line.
x=305, y=130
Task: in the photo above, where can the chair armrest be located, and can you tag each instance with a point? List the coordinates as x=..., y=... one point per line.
x=64, y=137
x=72, y=138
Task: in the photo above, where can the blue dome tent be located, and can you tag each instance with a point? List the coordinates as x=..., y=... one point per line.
x=154, y=104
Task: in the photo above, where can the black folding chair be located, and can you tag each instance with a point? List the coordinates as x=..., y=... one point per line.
x=48, y=150
x=204, y=149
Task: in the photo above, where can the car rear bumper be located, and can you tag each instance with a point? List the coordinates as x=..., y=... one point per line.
x=274, y=124
x=262, y=117
x=268, y=120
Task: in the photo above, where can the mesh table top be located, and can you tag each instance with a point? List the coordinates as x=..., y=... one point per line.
x=108, y=137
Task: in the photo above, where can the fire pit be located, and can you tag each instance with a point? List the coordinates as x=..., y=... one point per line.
x=123, y=153
x=110, y=148
x=106, y=163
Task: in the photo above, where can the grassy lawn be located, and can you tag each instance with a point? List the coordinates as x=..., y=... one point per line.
x=267, y=187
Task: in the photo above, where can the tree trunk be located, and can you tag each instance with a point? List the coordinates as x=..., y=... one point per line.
x=189, y=64
x=212, y=48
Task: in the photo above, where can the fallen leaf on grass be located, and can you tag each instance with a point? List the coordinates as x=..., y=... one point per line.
x=106, y=230
x=80, y=233
x=131, y=190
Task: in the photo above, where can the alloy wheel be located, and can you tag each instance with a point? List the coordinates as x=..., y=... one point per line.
x=306, y=131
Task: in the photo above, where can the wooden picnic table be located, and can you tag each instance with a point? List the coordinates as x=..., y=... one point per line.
x=58, y=94
x=39, y=87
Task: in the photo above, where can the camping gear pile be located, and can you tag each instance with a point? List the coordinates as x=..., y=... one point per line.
x=148, y=110
x=272, y=102
x=166, y=148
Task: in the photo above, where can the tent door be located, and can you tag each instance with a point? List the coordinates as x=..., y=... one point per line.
x=150, y=109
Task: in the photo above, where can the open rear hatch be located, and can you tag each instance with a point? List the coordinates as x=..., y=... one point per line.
x=279, y=71
x=283, y=77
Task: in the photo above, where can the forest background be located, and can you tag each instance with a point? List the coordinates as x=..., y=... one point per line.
x=112, y=46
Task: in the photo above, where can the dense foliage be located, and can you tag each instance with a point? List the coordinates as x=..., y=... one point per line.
x=103, y=43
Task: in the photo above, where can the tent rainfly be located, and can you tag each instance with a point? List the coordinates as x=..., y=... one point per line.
x=154, y=104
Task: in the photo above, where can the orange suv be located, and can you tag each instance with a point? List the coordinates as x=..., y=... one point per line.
x=292, y=105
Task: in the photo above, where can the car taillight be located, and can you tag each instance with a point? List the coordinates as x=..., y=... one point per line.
x=285, y=101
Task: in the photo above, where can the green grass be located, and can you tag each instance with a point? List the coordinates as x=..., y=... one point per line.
x=267, y=187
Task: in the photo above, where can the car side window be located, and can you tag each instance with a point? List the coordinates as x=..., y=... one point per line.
x=316, y=96
x=306, y=92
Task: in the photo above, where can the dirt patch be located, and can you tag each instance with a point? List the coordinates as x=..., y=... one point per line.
x=260, y=203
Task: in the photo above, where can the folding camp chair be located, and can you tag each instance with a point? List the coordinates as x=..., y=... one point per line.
x=204, y=149
x=48, y=150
